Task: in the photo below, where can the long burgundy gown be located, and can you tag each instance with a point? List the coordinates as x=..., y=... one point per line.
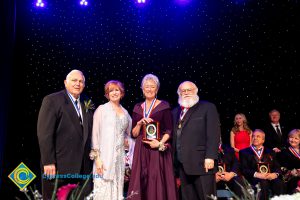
x=152, y=175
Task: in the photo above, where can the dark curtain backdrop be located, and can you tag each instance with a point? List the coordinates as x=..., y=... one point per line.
x=8, y=33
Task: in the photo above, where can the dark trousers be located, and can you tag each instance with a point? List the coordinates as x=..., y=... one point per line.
x=233, y=185
x=277, y=186
x=196, y=187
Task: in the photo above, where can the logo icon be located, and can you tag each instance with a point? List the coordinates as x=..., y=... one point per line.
x=22, y=176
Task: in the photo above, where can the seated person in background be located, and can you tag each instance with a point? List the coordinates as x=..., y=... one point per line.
x=240, y=134
x=259, y=165
x=228, y=173
x=290, y=160
x=275, y=132
x=129, y=150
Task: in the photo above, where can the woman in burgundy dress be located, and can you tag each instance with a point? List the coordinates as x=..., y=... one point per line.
x=152, y=175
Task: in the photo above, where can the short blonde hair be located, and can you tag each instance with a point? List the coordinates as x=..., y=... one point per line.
x=114, y=83
x=294, y=132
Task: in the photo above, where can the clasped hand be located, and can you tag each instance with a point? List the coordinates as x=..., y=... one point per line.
x=224, y=176
x=266, y=176
x=144, y=120
x=153, y=143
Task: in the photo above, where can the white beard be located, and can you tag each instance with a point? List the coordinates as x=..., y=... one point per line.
x=189, y=102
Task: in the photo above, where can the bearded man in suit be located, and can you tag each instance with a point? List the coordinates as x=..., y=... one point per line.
x=64, y=134
x=196, y=139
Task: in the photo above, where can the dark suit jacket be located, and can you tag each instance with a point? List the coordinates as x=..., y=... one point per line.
x=289, y=160
x=227, y=156
x=272, y=139
x=199, y=135
x=248, y=162
x=62, y=139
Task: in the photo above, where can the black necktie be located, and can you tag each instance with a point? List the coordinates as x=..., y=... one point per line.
x=79, y=116
x=278, y=130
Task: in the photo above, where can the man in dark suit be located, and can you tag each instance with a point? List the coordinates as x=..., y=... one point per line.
x=64, y=133
x=196, y=139
x=276, y=135
x=259, y=165
x=228, y=173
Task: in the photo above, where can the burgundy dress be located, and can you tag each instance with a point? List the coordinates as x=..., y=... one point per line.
x=152, y=175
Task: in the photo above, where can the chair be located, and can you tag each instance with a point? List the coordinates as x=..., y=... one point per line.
x=224, y=194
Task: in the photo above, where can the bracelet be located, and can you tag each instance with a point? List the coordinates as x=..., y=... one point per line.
x=161, y=146
x=94, y=154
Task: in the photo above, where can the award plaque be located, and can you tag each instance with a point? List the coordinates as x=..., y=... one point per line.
x=263, y=167
x=221, y=167
x=151, y=131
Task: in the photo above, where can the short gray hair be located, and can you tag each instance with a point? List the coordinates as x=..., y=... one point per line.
x=259, y=131
x=71, y=72
x=151, y=77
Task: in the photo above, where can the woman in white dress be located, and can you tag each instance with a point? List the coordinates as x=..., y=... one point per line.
x=111, y=127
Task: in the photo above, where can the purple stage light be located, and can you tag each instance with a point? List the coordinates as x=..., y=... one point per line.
x=183, y=2
x=83, y=2
x=40, y=3
x=141, y=1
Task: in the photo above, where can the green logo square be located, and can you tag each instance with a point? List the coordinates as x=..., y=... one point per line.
x=22, y=176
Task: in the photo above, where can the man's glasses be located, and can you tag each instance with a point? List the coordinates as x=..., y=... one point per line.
x=188, y=90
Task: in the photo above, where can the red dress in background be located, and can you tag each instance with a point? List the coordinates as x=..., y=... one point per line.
x=152, y=175
x=241, y=141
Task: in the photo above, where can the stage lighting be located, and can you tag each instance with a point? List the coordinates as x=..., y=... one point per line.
x=83, y=2
x=183, y=2
x=40, y=3
x=141, y=1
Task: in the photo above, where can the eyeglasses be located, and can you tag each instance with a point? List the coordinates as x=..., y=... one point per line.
x=187, y=90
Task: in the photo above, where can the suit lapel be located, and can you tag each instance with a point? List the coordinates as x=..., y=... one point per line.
x=72, y=114
x=177, y=114
x=189, y=114
x=85, y=121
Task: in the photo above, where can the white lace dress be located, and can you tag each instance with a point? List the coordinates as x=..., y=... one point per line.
x=110, y=186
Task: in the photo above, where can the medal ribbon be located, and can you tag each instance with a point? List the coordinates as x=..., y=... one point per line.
x=76, y=106
x=183, y=112
x=258, y=154
x=294, y=152
x=147, y=114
